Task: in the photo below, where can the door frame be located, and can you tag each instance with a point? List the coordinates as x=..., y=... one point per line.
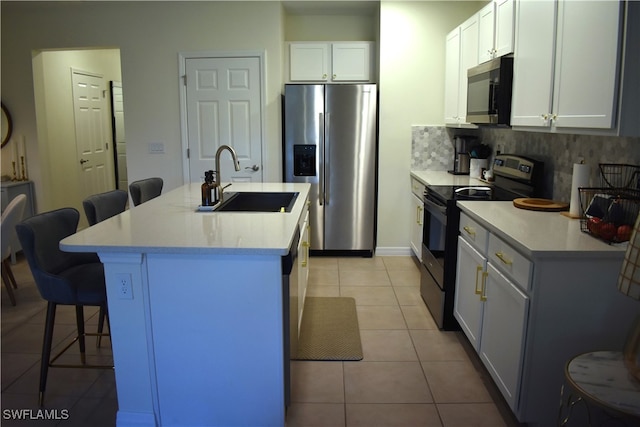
x=184, y=134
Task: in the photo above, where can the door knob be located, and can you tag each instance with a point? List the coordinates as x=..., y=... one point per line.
x=83, y=161
x=254, y=168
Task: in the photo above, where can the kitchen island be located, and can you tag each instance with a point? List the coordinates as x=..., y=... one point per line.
x=196, y=308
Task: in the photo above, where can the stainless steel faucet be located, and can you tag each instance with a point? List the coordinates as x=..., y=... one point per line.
x=219, y=188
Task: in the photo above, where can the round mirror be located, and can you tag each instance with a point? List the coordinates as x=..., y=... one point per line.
x=7, y=126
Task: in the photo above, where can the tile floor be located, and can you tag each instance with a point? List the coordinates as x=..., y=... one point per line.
x=412, y=374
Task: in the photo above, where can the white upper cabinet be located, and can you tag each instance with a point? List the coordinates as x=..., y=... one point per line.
x=452, y=112
x=486, y=38
x=504, y=27
x=496, y=23
x=469, y=33
x=331, y=62
x=461, y=54
x=309, y=61
x=351, y=61
x=565, y=73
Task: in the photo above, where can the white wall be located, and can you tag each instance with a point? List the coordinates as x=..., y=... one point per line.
x=54, y=109
x=412, y=35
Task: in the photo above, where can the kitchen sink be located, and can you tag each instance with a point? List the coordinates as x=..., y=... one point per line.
x=257, y=202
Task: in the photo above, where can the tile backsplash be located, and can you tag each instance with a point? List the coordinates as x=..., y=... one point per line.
x=431, y=149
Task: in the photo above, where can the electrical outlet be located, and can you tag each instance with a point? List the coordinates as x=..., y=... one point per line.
x=124, y=286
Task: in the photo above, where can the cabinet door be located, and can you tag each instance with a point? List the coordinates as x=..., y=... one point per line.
x=416, y=226
x=309, y=61
x=469, y=32
x=303, y=268
x=586, y=64
x=486, y=33
x=468, y=308
x=503, y=333
x=351, y=61
x=504, y=30
x=452, y=77
x=533, y=63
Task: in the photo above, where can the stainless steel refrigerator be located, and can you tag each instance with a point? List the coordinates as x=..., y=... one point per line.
x=330, y=141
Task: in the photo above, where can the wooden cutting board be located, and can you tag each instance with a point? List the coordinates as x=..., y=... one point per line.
x=544, y=205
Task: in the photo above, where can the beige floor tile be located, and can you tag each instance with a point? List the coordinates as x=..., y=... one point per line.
x=455, y=382
x=435, y=345
x=322, y=262
x=323, y=291
x=392, y=415
x=418, y=317
x=364, y=278
x=408, y=295
x=370, y=295
x=400, y=263
x=315, y=415
x=387, y=346
x=317, y=382
x=355, y=263
x=323, y=277
x=380, y=317
x=470, y=415
x=405, y=277
x=385, y=382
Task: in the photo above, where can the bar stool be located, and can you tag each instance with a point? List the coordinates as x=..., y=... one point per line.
x=62, y=278
x=145, y=190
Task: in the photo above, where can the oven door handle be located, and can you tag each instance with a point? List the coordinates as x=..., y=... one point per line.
x=441, y=209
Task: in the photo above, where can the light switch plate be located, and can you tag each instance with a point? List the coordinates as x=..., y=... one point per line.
x=156, y=148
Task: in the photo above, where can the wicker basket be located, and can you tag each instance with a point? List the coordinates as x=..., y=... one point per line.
x=609, y=213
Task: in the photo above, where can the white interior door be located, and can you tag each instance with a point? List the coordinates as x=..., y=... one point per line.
x=92, y=134
x=224, y=106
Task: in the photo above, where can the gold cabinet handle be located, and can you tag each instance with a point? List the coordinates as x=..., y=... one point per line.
x=502, y=258
x=478, y=270
x=305, y=261
x=334, y=77
x=470, y=231
x=324, y=76
x=483, y=295
x=419, y=215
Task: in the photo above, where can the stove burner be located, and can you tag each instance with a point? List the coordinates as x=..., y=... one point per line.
x=473, y=193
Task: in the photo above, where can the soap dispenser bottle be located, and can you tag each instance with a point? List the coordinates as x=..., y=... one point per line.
x=206, y=188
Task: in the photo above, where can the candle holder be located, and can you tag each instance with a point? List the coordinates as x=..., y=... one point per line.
x=15, y=177
x=24, y=169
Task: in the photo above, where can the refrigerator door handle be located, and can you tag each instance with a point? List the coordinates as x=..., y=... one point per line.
x=321, y=168
x=326, y=155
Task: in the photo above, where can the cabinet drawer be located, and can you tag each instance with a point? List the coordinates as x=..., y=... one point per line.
x=474, y=233
x=417, y=188
x=509, y=261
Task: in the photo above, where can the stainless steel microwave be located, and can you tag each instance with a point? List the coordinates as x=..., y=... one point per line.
x=489, y=92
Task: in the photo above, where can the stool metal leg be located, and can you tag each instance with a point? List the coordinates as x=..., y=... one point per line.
x=46, y=349
x=80, y=325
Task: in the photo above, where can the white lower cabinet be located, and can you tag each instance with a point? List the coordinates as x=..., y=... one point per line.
x=470, y=276
x=303, y=266
x=491, y=307
x=504, y=324
x=417, y=212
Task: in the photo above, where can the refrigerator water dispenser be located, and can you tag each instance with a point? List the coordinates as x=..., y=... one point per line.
x=304, y=160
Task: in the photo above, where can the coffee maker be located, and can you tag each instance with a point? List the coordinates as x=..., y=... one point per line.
x=461, y=158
